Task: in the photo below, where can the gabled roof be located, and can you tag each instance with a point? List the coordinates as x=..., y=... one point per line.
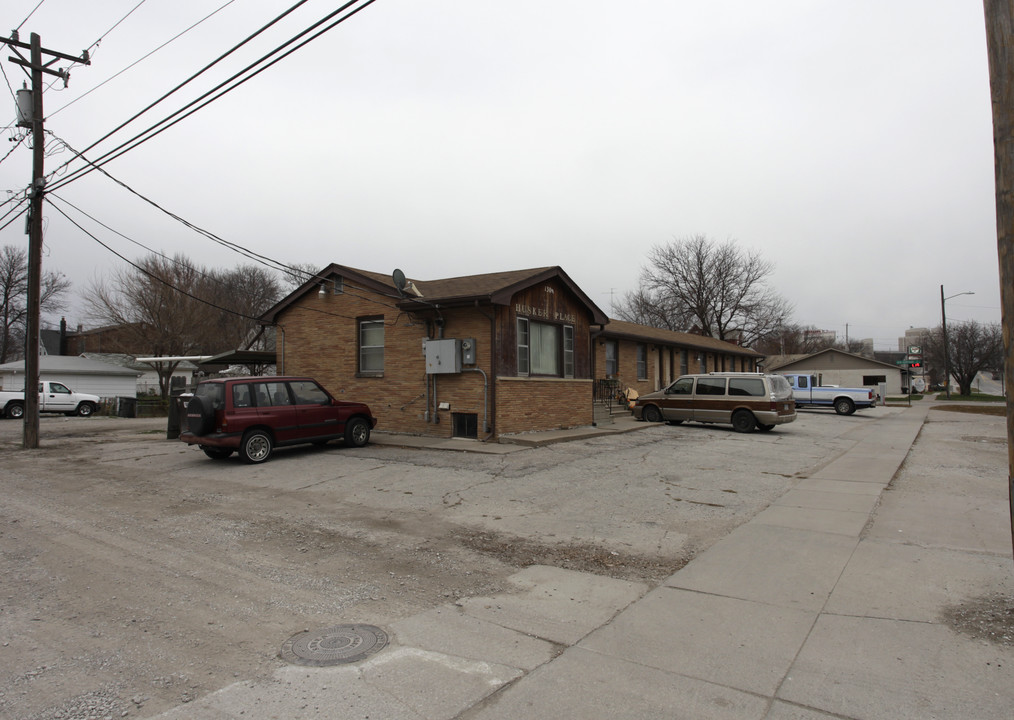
x=783, y=361
x=496, y=288
x=632, y=331
x=70, y=364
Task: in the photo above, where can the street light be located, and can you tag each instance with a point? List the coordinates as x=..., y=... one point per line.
x=943, y=325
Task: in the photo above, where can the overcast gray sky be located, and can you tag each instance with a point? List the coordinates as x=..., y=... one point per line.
x=850, y=143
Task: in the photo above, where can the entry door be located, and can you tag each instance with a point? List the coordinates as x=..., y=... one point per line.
x=678, y=403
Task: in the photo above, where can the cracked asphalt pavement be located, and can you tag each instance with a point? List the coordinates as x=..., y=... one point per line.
x=139, y=574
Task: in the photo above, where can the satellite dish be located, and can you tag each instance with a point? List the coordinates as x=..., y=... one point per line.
x=399, y=281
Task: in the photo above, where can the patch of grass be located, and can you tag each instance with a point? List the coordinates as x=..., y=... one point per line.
x=974, y=397
x=999, y=411
x=904, y=398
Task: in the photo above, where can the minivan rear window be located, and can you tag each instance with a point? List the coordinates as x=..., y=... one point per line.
x=754, y=387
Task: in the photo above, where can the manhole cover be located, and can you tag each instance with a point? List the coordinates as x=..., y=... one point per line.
x=333, y=646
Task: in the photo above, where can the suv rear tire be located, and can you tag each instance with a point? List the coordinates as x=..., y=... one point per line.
x=256, y=446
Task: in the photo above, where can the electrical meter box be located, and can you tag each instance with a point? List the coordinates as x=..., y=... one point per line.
x=468, y=351
x=442, y=357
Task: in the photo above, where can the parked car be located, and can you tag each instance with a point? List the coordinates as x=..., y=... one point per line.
x=808, y=391
x=54, y=397
x=254, y=415
x=744, y=400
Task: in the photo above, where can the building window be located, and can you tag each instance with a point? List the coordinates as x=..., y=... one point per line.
x=684, y=362
x=703, y=360
x=542, y=348
x=874, y=379
x=612, y=358
x=568, y=351
x=642, y=361
x=523, y=365
x=371, y=346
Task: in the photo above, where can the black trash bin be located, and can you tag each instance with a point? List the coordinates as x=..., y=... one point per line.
x=177, y=411
x=126, y=407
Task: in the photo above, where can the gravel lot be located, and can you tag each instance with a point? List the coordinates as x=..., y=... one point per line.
x=139, y=574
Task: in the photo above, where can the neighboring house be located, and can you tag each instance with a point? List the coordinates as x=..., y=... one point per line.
x=78, y=373
x=477, y=356
x=648, y=359
x=837, y=367
x=147, y=379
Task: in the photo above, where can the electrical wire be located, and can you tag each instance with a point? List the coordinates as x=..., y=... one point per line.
x=142, y=58
x=141, y=269
x=235, y=247
x=115, y=25
x=200, y=72
x=152, y=275
x=151, y=132
x=29, y=16
x=23, y=211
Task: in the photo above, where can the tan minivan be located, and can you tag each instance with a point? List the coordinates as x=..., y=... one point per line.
x=744, y=400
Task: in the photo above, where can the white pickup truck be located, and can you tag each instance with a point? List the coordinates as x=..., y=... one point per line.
x=54, y=397
x=845, y=401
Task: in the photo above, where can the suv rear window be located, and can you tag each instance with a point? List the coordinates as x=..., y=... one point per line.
x=213, y=393
x=308, y=393
x=271, y=394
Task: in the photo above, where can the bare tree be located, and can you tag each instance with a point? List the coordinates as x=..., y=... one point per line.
x=653, y=309
x=722, y=288
x=14, y=299
x=170, y=307
x=972, y=347
x=796, y=340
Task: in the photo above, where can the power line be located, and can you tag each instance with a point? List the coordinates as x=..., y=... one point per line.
x=151, y=275
x=203, y=100
x=115, y=25
x=29, y=16
x=235, y=247
x=143, y=57
x=200, y=72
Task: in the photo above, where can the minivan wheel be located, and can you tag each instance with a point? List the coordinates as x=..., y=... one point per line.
x=256, y=446
x=743, y=421
x=357, y=432
x=652, y=414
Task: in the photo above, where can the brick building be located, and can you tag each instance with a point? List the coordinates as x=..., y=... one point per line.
x=477, y=356
x=648, y=359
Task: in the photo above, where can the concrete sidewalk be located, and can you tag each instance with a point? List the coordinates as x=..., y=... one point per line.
x=831, y=603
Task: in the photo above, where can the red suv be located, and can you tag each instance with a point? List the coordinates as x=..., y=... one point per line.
x=255, y=414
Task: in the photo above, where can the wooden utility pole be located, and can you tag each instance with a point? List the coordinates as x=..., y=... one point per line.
x=1000, y=49
x=35, y=192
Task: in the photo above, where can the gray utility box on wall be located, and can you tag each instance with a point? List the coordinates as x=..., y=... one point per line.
x=447, y=356
x=442, y=357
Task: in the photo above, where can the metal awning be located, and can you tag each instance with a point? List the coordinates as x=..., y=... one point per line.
x=242, y=357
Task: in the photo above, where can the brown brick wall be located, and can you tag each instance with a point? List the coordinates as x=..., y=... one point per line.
x=534, y=404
